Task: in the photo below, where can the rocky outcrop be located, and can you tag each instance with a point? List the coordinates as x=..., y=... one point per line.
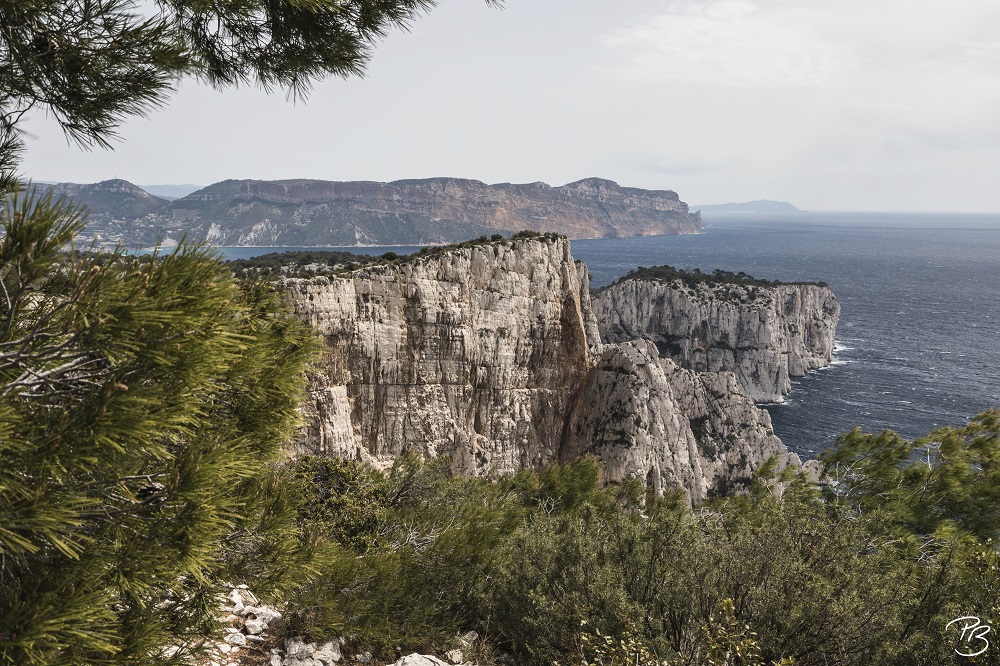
x=251, y=632
x=646, y=417
x=491, y=355
x=763, y=334
x=404, y=212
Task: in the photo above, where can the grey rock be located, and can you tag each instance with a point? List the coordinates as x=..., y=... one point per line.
x=300, y=653
x=237, y=600
x=297, y=648
x=765, y=335
x=476, y=354
x=236, y=639
x=254, y=626
x=419, y=660
x=646, y=417
x=268, y=615
x=328, y=653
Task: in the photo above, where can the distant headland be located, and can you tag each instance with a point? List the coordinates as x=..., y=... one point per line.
x=760, y=206
x=318, y=213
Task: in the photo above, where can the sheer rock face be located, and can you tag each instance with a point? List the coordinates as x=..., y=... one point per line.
x=491, y=355
x=476, y=354
x=648, y=418
x=764, y=335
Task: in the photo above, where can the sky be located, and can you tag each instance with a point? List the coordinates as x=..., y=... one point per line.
x=877, y=105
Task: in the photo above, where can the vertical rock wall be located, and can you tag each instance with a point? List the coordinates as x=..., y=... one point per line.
x=764, y=335
x=476, y=354
x=648, y=418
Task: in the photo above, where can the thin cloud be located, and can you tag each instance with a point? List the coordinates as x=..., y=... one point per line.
x=732, y=43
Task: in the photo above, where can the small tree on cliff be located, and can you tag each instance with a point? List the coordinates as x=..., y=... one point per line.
x=92, y=64
x=141, y=403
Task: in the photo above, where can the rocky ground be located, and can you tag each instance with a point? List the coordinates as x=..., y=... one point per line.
x=252, y=634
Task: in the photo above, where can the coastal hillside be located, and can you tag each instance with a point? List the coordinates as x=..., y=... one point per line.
x=405, y=212
x=490, y=354
x=111, y=199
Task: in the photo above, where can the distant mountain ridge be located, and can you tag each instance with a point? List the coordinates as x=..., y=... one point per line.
x=404, y=212
x=759, y=206
x=112, y=198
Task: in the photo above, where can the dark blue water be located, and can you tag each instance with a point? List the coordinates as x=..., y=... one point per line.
x=919, y=335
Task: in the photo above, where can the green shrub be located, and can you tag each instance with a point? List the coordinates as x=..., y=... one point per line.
x=555, y=567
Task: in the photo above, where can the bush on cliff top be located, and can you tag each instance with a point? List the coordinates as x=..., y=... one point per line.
x=694, y=277
x=313, y=263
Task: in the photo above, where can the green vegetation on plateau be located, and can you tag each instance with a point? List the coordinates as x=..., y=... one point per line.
x=313, y=263
x=695, y=277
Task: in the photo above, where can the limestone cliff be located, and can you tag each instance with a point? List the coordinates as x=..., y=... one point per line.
x=648, y=418
x=763, y=334
x=491, y=355
x=315, y=213
x=476, y=354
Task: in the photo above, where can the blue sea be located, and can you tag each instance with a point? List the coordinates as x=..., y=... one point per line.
x=918, y=345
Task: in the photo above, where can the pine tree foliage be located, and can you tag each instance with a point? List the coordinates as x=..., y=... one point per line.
x=948, y=479
x=142, y=403
x=91, y=64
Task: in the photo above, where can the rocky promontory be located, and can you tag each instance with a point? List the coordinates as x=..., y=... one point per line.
x=491, y=355
x=316, y=213
x=763, y=332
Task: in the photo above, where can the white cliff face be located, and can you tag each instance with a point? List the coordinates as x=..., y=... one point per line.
x=764, y=335
x=492, y=356
x=475, y=354
x=646, y=417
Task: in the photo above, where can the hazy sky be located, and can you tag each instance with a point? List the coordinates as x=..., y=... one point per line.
x=848, y=105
